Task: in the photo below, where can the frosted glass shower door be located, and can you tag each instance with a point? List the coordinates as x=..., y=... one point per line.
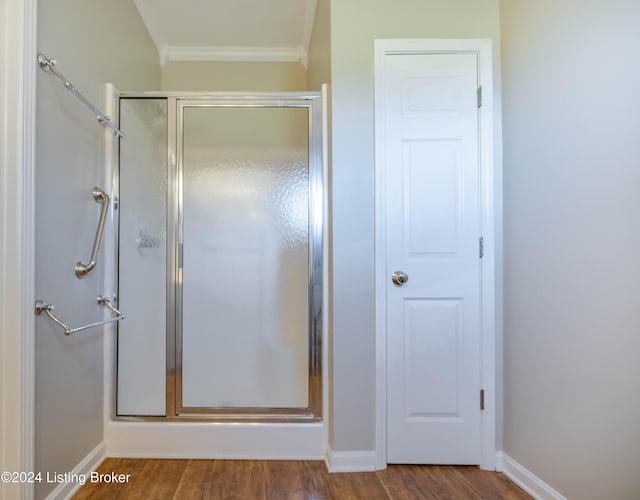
x=245, y=202
x=142, y=259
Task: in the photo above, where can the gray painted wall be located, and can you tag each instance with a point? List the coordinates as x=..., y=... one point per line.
x=319, y=67
x=572, y=241
x=234, y=76
x=94, y=42
x=354, y=26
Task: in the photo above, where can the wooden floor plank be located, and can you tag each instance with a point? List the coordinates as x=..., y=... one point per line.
x=409, y=482
x=293, y=480
x=237, y=480
x=114, y=491
x=489, y=485
x=315, y=479
x=356, y=486
x=198, y=481
x=284, y=480
x=158, y=479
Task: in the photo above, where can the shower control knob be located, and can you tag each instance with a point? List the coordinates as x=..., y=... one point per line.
x=399, y=278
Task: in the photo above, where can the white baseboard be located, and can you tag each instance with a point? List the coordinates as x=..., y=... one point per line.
x=526, y=479
x=79, y=474
x=350, y=461
x=500, y=461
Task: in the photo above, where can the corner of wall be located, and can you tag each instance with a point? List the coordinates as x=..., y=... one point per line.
x=526, y=479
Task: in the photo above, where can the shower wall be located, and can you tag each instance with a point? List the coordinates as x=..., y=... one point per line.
x=69, y=162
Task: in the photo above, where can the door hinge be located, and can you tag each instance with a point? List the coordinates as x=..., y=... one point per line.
x=481, y=245
x=479, y=97
x=482, y=399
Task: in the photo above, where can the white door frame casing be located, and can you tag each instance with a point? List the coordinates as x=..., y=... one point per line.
x=490, y=190
x=17, y=235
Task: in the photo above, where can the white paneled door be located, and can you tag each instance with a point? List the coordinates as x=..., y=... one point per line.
x=433, y=258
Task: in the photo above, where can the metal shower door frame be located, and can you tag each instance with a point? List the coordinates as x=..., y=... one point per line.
x=176, y=102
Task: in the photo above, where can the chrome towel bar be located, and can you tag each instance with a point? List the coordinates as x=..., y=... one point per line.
x=42, y=307
x=100, y=197
x=47, y=65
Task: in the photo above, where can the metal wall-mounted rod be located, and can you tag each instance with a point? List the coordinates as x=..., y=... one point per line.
x=100, y=197
x=43, y=307
x=47, y=65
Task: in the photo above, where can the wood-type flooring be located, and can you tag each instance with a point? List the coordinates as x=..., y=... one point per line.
x=275, y=480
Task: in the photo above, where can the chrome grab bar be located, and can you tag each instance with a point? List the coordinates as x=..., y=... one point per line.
x=42, y=307
x=100, y=197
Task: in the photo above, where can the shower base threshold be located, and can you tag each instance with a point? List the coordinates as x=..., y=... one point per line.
x=216, y=439
x=223, y=418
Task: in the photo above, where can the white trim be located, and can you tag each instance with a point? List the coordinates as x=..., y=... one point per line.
x=350, y=461
x=490, y=193
x=499, y=461
x=17, y=227
x=163, y=56
x=109, y=276
x=261, y=441
x=168, y=53
x=89, y=464
x=527, y=480
x=247, y=54
x=326, y=231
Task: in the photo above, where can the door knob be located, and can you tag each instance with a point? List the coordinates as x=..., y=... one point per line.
x=399, y=278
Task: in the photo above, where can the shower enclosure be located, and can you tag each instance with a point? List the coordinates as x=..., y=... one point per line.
x=219, y=257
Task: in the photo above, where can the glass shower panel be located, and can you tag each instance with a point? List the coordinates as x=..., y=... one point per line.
x=245, y=258
x=142, y=258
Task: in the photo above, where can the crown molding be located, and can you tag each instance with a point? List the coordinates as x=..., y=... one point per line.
x=168, y=53
x=247, y=54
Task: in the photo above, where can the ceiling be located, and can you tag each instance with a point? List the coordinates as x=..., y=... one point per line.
x=229, y=30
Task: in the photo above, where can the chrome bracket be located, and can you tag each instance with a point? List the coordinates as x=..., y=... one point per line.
x=45, y=63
